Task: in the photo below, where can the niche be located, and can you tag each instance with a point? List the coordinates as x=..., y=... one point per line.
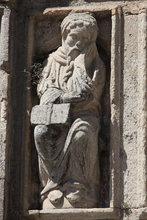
x=47, y=38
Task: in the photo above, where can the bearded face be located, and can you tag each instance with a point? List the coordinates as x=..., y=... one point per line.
x=76, y=40
x=78, y=31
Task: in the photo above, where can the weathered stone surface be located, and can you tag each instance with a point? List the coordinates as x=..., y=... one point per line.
x=50, y=114
x=40, y=35
x=142, y=108
x=2, y=149
x=115, y=103
x=4, y=88
x=101, y=214
x=75, y=75
x=4, y=85
x=130, y=103
x=4, y=40
x=2, y=182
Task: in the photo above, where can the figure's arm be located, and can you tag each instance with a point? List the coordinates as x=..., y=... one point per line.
x=98, y=79
x=47, y=91
x=71, y=97
x=45, y=81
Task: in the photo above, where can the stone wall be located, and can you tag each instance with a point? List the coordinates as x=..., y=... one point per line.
x=29, y=30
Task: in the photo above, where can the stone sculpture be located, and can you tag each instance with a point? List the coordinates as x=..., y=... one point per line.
x=68, y=117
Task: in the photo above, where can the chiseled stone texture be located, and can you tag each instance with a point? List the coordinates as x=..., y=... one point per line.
x=3, y=136
x=4, y=88
x=130, y=174
x=130, y=103
x=3, y=122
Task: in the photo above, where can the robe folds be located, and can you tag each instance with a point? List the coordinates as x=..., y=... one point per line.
x=68, y=155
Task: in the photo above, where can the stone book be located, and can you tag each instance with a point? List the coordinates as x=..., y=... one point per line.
x=50, y=114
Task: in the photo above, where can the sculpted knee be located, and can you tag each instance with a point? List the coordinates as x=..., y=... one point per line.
x=40, y=131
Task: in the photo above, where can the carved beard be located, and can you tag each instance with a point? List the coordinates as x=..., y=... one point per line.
x=73, y=53
x=78, y=66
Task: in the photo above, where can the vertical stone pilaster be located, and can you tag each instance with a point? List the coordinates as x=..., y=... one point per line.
x=115, y=107
x=129, y=113
x=3, y=120
x=4, y=39
x=142, y=108
x=4, y=87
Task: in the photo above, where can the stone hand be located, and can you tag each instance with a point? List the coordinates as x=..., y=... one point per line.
x=90, y=52
x=86, y=87
x=86, y=55
x=72, y=97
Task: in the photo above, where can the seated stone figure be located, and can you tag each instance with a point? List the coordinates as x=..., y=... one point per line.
x=68, y=154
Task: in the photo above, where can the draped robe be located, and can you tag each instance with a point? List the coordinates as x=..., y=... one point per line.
x=68, y=156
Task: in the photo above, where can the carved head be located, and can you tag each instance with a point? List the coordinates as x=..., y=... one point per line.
x=78, y=30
